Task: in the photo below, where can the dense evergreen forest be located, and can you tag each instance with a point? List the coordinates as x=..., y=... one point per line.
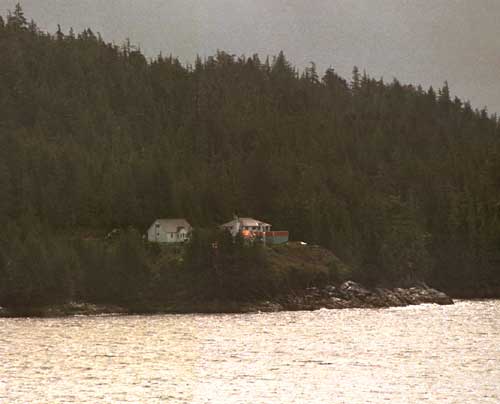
x=398, y=181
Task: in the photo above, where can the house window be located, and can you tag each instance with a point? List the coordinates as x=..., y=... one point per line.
x=171, y=235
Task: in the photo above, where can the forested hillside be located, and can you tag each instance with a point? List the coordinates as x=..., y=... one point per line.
x=398, y=181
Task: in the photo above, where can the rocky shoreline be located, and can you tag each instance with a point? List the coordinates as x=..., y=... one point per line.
x=348, y=295
x=353, y=295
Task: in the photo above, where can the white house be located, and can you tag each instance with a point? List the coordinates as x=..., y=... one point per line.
x=169, y=231
x=245, y=225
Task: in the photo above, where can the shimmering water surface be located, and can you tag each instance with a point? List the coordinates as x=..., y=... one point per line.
x=428, y=353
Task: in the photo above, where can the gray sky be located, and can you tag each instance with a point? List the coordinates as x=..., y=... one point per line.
x=420, y=41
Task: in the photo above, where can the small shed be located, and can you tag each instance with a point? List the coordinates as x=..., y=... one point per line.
x=169, y=231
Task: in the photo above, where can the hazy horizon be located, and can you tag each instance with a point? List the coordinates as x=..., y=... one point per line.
x=422, y=42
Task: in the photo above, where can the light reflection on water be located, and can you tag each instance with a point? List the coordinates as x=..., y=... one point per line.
x=428, y=353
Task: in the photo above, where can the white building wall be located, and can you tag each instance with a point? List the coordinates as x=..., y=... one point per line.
x=151, y=232
x=156, y=233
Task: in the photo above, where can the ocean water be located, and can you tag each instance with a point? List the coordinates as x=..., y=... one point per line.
x=417, y=354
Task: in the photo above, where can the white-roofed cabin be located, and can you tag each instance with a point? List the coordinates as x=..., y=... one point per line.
x=244, y=225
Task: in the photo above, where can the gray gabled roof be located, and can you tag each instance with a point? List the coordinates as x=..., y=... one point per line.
x=173, y=225
x=246, y=221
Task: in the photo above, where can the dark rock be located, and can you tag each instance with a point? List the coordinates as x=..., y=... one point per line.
x=268, y=306
x=354, y=295
x=348, y=295
x=429, y=295
x=390, y=298
x=354, y=289
x=332, y=291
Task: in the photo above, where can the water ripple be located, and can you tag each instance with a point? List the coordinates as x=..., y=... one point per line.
x=428, y=353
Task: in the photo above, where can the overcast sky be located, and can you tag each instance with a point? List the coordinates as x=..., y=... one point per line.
x=418, y=41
